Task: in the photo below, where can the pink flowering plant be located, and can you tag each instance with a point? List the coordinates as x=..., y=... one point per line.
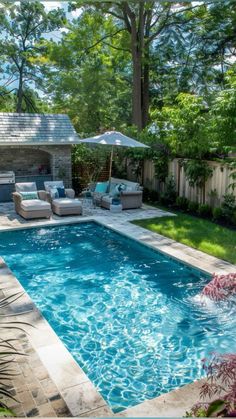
x=220, y=385
x=220, y=388
x=220, y=287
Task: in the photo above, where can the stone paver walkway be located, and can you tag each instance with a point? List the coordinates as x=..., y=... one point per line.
x=35, y=391
x=9, y=218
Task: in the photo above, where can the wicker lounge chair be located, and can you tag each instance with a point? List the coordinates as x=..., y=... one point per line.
x=30, y=203
x=67, y=205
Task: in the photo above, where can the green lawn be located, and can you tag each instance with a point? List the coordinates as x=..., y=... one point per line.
x=197, y=233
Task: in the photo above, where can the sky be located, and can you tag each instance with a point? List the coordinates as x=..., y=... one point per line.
x=49, y=5
x=55, y=35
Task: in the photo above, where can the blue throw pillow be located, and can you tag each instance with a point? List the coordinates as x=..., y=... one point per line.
x=101, y=187
x=29, y=195
x=120, y=187
x=61, y=192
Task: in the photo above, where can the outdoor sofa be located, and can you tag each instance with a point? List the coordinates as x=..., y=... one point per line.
x=30, y=203
x=62, y=199
x=129, y=193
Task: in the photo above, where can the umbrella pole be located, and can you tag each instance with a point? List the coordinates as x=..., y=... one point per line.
x=110, y=169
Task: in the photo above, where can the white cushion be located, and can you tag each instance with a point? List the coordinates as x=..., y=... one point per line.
x=53, y=184
x=34, y=204
x=54, y=193
x=66, y=203
x=26, y=187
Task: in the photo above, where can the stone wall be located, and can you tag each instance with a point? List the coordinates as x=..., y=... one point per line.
x=61, y=163
x=28, y=160
x=24, y=161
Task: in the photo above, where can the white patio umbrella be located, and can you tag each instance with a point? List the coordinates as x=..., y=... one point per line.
x=114, y=139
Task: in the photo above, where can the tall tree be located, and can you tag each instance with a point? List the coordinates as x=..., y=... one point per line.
x=145, y=21
x=93, y=88
x=23, y=27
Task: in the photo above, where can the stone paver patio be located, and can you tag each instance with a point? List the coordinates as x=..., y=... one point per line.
x=9, y=218
x=50, y=382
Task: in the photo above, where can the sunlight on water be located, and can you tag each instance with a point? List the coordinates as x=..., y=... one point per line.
x=131, y=317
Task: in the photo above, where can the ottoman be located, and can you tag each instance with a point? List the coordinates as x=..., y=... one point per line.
x=66, y=206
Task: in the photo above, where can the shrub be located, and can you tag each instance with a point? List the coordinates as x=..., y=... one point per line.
x=233, y=219
x=150, y=195
x=169, y=196
x=217, y=214
x=146, y=194
x=229, y=207
x=205, y=211
x=154, y=196
x=221, y=379
x=182, y=202
x=193, y=207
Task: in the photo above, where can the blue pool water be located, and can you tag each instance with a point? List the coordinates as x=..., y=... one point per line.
x=129, y=315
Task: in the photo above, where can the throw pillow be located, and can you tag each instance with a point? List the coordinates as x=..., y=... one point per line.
x=113, y=191
x=54, y=193
x=61, y=192
x=101, y=187
x=29, y=195
x=120, y=187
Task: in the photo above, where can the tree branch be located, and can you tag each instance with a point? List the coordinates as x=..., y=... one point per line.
x=102, y=39
x=7, y=93
x=117, y=48
x=116, y=15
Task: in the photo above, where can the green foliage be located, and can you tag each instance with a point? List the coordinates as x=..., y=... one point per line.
x=182, y=203
x=182, y=124
x=23, y=26
x=88, y=79
x=217, y=214
x=197, y=172
x=229, y=207
x=161, y=156
x=232, y=166
x=150, y=195
x=204, y=211
x=222, y=127
x=90, y=160
x=5, y=412
x=168, y=197
x=199, y=412
x=207, y=410
x=193, y=207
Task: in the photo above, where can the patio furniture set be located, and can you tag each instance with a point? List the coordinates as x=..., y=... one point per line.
x=115, y=195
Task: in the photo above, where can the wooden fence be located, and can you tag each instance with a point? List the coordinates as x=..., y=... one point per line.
x=216, y=186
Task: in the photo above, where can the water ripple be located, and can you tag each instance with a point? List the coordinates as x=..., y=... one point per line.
x=130, y=316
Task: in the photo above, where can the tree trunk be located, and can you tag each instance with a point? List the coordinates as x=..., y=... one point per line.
x=20, y=93
x=137, y=81
x=138, y=25
x=145, y=88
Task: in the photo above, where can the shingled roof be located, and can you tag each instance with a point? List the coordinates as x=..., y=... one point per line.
x=36, y=129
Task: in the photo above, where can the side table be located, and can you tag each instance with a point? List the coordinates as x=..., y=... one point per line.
x=116, y=208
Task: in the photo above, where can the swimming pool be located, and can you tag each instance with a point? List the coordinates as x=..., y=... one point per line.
x=128, y=314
